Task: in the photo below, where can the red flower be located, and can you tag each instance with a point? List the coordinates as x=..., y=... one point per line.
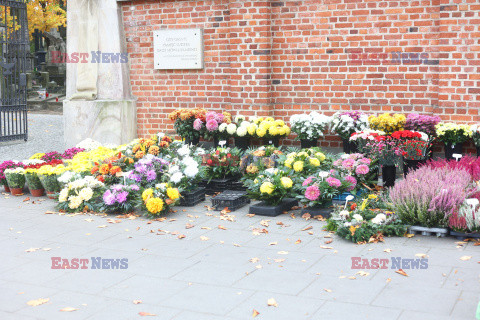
x=217, y=152
x=209, y=162
x=229, y=155
x=353, y=206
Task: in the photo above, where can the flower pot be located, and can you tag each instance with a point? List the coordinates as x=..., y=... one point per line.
x=349, y=146
x=193, y=141
x=37, y=193
x=16, y=191
x=271, y=142
x=412, y=165
x=478, y=151
x=319, y=210
x=262, y=209
x=464, y=235
x=52, y=195
x=305, y=143
x=192, y=198
x=242, y=142
x=6, y=188
x=388, y=176
x=451, y=149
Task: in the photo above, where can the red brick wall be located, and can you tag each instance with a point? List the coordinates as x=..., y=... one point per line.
x=285, y=57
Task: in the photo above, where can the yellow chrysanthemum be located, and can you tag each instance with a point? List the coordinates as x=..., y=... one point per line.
x=173, y=193
x=286, y=182
x=267, y=187
x=154, y=205
x=273, y=131
x=298, y=166
x=289, y=162
x=320, y=156
x=261, y=132
x=147, y=194
x=314, y=162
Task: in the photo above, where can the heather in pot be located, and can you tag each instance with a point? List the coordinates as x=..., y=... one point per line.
x=467, y=218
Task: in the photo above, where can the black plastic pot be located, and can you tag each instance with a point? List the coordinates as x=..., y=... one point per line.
x=262, y=209
x=305, y=144
x=389, y=174
x=478, y=151
x=271, y=141
x=451, y=149
x=242, y=142
x=349, y=146
x=194, y=141
x=412, y=165
x=324, y=211
x=192, y=198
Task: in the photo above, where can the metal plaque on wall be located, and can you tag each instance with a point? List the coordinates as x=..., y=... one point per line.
x=178, y=49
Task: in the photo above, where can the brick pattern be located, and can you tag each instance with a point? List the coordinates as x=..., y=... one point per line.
x=284, y=57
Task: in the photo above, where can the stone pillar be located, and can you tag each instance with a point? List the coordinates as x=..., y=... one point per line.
x=106, y=112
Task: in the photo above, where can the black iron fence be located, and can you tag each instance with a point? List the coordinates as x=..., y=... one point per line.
x=14, y=46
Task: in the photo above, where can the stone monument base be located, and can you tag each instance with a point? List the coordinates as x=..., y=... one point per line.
x=106, y=121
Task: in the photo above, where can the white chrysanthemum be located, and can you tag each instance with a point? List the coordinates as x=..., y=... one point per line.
x=358, y=217
x=245, y=124
x=86, y=194
x=88, y=144
x=75, y=202
x=239, y=118
x=191, y=171
x=242, y=131
x=173, y=169
x=176, y=177
x=184, y=150
x=222, y=127
x=344, y=214
x=63, y=196
x=231, y=128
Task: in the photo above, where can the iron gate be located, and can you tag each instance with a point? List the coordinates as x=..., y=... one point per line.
x=14, y=46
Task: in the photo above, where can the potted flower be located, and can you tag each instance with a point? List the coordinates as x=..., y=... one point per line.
x=48, y=177
x=184, y=123
x=414, y=146
x=387, y=123
x=386, y=150
x=242, y=137
x=466, y=222
x=159, y=199
x=273, y=187
x=120, y=198
x=9, y=164
x=16, y=180
x=258, y=160
x=270, y=130
x=81, y=195
x=361, y=138
x=423, y=123
x=304, y=163
x=147, y=171
x=476, y=137
x=309, y=127
x=453, y=136
x=318, y=191
x=345, y=124
x=357, y=169
x=220, y=168
x=33, y=182
x=214, y=127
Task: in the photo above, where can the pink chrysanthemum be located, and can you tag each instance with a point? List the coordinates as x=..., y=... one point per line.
x=197, y=124
x=352, y=181
x=211, y=115
x=212, y=125
x=333, y=182
x=307, y=181
x=348, y=163
x=312, y=193
x=366, y=161
x=362, y=169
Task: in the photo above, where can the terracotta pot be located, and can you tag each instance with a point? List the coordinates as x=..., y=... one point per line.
x=16, y=191
x=51, y=195
x=37, y=193
x=7, y=189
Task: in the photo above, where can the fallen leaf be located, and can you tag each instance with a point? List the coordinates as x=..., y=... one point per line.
x=421, y=255
x=264, y=223
x=466, y=258
x=272, y=303
x=387, y=250
x=273, y=243
x=26, y=199
x=222, y=227
x=307, y=228
x=189, y=226
x=282, y=252
x=181, y=236
x=225, y=211
x=250, y=215
x=137, y=301
x=298, y=241
x=363, y=273
x=206, y=228
x=328, y=241
x=143, y=314
x=49, y=212
x=68, y=309
x=278, y=260
x=32, y=249
x=409, y=235
x=236, y=245
x=388, y=280
x=203, y=238
x=327, y=290
x=255, y=313
x=325, y=247
x=403, y=273
x=352, y=278
x=280, y=223
x=38, y=302
x=306, y=216
x=254, y=260
x=102, y=226
x=46, y=249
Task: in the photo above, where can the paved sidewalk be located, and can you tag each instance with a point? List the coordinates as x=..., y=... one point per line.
x=214, y=273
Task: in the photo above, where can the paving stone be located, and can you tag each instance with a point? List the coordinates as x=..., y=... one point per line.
x=417, y=298
x=289, y=307
x=410, y=315
x=463, y=279
x=159, y=266
x=466, y=306
x=15, y=295
x=128, y=311
x=208, y=299
x=189, y=315
x=340, y=310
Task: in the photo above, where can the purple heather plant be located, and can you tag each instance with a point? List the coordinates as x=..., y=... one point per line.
x=428, y=196
x=423, y=123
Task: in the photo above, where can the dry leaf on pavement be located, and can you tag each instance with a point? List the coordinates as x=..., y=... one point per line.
x=306, y=216
x=255, y=313
x=466, y=258
x=203, y=238
x=272, y=303
x=38, y=302
x=282, y=252
x=137, y=301
x=403, y=273
x=387, y=250
x=68, y=309
x=143, y=314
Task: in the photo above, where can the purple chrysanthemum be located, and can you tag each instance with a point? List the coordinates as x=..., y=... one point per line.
x=108, y=198
x=122, y=197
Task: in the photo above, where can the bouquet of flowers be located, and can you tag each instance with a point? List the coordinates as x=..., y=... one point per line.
x=362, y=138
x=452, y=133
x=304, y=163
x=9, y=164
x=15, y=177
x=184, y=122
x=81, y=195
x=271, y=186
x=309, y=126
x=366, y=221
x=413, y=144
x=476, y=134
x=215, y=125
x=147, y=170
x=221, y=163
x=320, y=189
x=422, y=123
x=384, y=148
x=159, y=199
x=268, y=128
x=258, y=160
x=467, y=219
x=120, y=198
x=346, y=123
x=387, y=123
x=357, y=169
